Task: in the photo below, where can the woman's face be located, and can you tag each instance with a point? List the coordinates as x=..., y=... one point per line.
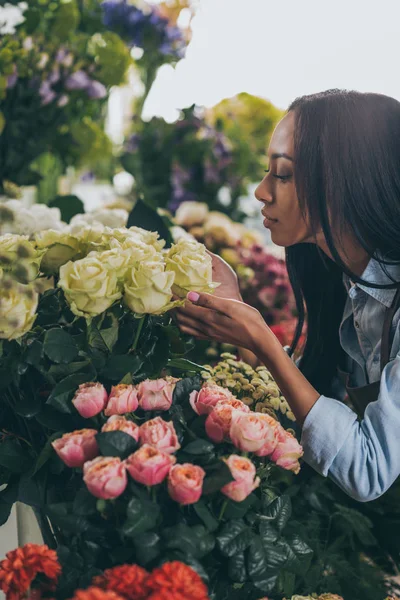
x=277, y=191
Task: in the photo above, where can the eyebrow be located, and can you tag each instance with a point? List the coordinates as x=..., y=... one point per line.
x=282, y=155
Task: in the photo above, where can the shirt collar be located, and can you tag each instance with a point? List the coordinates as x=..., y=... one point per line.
x=374, y=273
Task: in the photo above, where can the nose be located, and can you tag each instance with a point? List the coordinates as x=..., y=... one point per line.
x=263, y=193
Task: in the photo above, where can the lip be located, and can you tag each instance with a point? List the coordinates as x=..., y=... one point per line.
x=267, y=218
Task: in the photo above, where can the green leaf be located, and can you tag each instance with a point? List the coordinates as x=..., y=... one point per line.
x=69, y=206
x=194, y=541
x=199, y=447
x=140, y=518
x=183, y=364
x=116, y=443
x=84, y=503
x=184, y=388
x=147, y=546
x=34, y=352
x=117, y=366
x=105, y=337
x=46, y=453
x=235, y=537
x=205, y=515
x=279, y=511
x=5, y=510
x=147, y=218
x=269, y=534
x=59, y=346
x=63, y=393
x=257, y=567
x=217, y=478
x=15, y=456
x=237, y=568
x=237, y=510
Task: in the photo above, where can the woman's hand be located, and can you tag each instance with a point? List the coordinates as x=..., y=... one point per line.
x=226, y=277
x=208, y=317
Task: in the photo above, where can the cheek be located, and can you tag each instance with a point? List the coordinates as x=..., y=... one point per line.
x=292, y=228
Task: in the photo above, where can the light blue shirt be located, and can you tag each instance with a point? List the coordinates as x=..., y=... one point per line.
x=362, y=457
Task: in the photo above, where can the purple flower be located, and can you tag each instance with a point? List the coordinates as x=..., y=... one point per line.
x=78, y=81
x=63, y=101
x=46, y=93
x=12, y=79
x=96, y=90
x=54, y=76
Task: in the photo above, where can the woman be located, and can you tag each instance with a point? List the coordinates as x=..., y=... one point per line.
x=332, y=197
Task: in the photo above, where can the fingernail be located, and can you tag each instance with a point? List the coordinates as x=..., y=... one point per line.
x=193, y=296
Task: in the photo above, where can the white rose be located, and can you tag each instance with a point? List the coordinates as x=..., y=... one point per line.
x=60, y=247
x=111, y=217
x=18, y=304
x=151, y=238
x=148, y=288
x=89, y=285
x=178, y=233
x=219, y=230
x=192, y=266
x=191, y=213
x=116, y=259
x=19, y=255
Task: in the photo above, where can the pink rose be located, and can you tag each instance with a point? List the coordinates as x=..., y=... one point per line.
x=272, y=439
x=218, y=422
x=119, y=423
x=185, y=483
x=156, y=394
x=251, y=432
x=90, y=399
x=204, y=401
x=160, y=434
x=105, y=477
x=77, y=447
x=148, y=465
x=123, y=399
x=244, y=473
x=287, y=452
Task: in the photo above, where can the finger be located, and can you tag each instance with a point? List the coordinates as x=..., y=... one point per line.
x=220, y=305
x=193, y=332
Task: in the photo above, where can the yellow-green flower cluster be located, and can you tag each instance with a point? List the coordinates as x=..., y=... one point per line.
x=254, y=387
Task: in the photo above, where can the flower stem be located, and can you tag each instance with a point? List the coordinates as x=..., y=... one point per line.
x=138, y=332
x=223, y=509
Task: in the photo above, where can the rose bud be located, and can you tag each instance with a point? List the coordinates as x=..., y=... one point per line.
x=149, y=465
x=90, y=399
x=287, y=452
x=105, y=477
x=77, y=447
x=218, y=422
x=244, y=473
x=160, y=434
x=185, y=483
x=119, y=423
x=251, y=432
x=204, y=401
x=123, y=399
x=156, y=394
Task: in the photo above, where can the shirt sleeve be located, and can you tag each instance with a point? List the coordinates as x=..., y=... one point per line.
x=362, y=457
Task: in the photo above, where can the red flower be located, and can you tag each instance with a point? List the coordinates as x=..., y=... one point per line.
x=129, y=581
x=20, y=567
x=96, y=593
x=176, y=581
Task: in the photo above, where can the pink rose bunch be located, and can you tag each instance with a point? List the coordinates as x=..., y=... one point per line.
x=105, y=477
x=287, y=451
x=245, y=481
x=77, y=447
x=185, y=483
x=254, y=432
x=156, y=395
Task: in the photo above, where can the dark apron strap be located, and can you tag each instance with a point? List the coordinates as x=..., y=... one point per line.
x=387, y=324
